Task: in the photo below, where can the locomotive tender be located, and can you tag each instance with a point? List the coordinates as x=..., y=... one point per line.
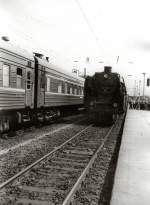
x=34, y=90
x=104, y=96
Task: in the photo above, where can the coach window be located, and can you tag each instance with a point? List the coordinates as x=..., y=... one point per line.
x=48, y=84
x=70, y=88
x=63, y=87
x=75, y=90
x=6, y=74
x=66, y=87
x=19, y=78
x=28, y=80
x=82, y=91
x=59, y=87
x=79, y=90
x=54, y=85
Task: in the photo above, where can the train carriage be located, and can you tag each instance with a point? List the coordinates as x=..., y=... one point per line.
x=33, y=90
x=16, y=85
x=57, y=90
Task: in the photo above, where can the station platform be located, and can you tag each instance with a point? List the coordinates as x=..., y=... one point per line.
x=132, y=177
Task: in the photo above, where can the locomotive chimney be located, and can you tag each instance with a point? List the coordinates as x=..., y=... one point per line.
x=107, y=69
x=39, y=55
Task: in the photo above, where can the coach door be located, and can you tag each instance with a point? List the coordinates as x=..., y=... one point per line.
x=29, y=88
x=41, y=86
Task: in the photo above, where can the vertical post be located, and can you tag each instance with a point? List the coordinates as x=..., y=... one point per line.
x=84, y=72
x=139, y=86
x=87, y=61
x=135, y=88
x=143, y=84
x=139, y=92
x=128, y=87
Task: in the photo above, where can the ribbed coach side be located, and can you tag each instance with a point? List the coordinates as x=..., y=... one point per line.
x=63, y=91
x=16, y=85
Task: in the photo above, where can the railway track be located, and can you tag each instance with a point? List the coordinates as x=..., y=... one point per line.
x=54, y=178
x=23, y=154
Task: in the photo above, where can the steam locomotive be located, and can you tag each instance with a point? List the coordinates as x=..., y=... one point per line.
x=104, y=96
x=34, y=90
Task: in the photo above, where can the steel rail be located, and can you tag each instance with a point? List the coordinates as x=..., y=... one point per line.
x=76, y=186
x=41, y=159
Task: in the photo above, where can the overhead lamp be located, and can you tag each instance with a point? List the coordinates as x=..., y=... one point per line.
x=5, y=38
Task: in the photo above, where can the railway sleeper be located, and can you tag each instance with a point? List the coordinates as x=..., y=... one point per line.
x=43, y=190
x=49, y=174
x=71, y=163
x=74, y=156
x=12, y=200
x=70, y=160
x=78, y=152
x=68, y=169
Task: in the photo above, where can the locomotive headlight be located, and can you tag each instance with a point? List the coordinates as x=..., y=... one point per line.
x=91, y=103
x=115, y=104
x=105, y=76
x=91, y=107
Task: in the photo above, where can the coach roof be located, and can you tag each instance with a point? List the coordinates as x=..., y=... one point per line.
x=7, y=46
x=45, y=63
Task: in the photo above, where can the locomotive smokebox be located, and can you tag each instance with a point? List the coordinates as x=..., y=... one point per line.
x=107, y=69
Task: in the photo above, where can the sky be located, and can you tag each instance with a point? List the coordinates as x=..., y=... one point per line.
x=69, y=31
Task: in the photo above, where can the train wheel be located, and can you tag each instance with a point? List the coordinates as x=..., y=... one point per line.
x=12, y=125
x=58, y=113
x=7, y=125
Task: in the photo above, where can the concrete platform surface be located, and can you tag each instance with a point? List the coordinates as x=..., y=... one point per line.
x=132, y=178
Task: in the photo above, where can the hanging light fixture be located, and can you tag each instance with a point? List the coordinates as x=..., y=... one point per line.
x=5, y=38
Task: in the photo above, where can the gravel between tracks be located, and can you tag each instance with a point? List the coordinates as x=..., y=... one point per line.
x=34, y=132
x=15, y=160
x=94, y=189
x=49, y=182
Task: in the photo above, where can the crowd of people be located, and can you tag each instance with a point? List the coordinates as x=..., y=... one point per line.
x=138, y=105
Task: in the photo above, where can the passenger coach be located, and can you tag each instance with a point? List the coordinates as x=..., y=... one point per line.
x=34, y=90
